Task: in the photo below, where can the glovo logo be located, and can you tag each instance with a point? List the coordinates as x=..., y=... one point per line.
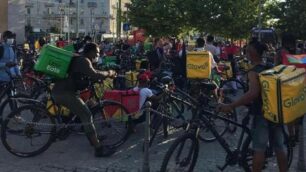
x=53, y=67
x=292, y=101
x=198, y=67
x=265, y=88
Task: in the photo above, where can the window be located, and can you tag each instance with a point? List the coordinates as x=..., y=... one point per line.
x=82, y=21
x=82, y=1
x=28, y=10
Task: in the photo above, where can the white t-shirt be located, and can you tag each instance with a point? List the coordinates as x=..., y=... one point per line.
x=211, y=48
x=143, y=95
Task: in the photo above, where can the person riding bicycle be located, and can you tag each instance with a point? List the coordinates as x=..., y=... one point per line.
x=261, y=127
x=65, y=92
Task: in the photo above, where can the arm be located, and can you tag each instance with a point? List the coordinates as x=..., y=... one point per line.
x=253, y=93
x=88, y=70
x=248, y=97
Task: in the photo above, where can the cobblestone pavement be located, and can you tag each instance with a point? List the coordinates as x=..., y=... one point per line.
x=75, y=155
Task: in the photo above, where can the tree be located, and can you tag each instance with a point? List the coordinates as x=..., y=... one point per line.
x=231, y=18
x=289, y=16
x=158, y=17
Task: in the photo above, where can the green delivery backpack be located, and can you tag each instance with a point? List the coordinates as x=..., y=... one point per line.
x=54, y=62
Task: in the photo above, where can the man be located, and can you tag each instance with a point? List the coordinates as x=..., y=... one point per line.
x=200, y=47
x=156, y=57
x=210, y=47
x=65, y=92
x=8, y=58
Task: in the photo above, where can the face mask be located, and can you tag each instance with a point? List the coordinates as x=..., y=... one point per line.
x=10, y=41
x=95, y=60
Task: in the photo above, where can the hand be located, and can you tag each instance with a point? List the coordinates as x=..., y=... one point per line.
x=224, y=108
x=10, y=64
x=112, y=73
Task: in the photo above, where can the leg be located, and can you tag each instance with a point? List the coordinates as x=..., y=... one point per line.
x=279, y=147
x=79, y=108
x=258, y=161
x=260, y=139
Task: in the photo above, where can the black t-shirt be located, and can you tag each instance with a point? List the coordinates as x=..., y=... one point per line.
x=155, y=58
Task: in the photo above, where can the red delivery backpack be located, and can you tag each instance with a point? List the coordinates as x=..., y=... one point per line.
x=128, y=98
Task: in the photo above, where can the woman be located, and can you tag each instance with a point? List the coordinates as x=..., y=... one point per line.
x=261, y=127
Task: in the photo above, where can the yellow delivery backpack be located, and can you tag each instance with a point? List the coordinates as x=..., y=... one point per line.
x=198, y=65
x=283, y=91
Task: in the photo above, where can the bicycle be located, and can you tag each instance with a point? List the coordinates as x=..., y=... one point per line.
x=241, y=155
x=36, y=120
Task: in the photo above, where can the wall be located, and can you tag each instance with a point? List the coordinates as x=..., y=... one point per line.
x=16, y=19
x=3, y=15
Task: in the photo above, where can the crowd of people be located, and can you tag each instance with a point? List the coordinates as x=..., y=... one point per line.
x=163, y=50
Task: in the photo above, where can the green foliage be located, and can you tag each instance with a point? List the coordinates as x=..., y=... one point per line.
x=230, y=18
x=290, y=16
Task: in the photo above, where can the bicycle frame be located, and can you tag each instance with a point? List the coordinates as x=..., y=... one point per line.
x=220, y=139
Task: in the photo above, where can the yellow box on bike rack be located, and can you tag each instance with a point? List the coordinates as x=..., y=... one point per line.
x=131, y=79
x=283, y=91
x=227, y=73
x=198, y=65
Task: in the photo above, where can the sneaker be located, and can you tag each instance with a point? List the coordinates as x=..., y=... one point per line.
x=103, y=151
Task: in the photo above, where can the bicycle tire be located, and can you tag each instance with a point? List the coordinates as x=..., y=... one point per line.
x=247, y=153
x=40, y=113
x=105, y=124
x=204, y=136
x=7, y=101
x=232, y=115
x=180, y=143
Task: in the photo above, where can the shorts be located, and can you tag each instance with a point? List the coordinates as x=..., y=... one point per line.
x=261, y=131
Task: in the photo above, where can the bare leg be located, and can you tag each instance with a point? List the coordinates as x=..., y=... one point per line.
x=282, y=161
x=258, y=161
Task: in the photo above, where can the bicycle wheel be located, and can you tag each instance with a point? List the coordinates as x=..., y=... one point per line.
x=247, y=155
x=232, y=116
x=9, y=104
x=21, y=134
x=182, y=154
x=219, y=125
x=112, y=123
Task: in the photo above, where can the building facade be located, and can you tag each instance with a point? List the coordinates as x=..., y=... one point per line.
x=60, y=16
x=76, y=16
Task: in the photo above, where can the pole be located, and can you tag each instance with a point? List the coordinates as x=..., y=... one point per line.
x=68, y=23
x=78, y=18
x=61, y=19
x=119, y=19
x=260, y=19
x=301, y=157
x=146, y=163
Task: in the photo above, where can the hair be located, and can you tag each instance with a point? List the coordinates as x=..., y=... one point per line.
x=288, y=40
x=87, y=38
x=210, y=38
x=41, y=41
x=90, y=47
x=259, y=47
x=156, y=41
x=7, y=34
x=200, y=42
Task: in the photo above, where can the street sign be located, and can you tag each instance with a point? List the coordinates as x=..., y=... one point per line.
x=126, y=27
